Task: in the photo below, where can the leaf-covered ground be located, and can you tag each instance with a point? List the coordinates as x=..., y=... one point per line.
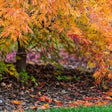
x=71, y=88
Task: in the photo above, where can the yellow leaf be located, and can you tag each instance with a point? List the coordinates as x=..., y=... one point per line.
x=106, y=53
x=110, y=76
x=46, y=105
x=11, y=73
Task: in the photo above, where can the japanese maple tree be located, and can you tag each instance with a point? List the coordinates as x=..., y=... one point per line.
x=42, y=24
x=83, y=27
x=95, y=22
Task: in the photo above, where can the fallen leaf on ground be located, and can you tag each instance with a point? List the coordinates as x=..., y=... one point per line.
x=63, y=84
x=99, y=91
x=78, y=102
x=87, y=98
x=87, y=104
x=32, y=96
x=16, y=102
x=70, y=103
x=33, y=107
x=39, y=93
x=108, y=97
x=20, y=109
x=59, y=103
x=48, y=100
x=99, y=103
x=45, y=106
x=44, y=98
x=109, y=93
x=23, y=88
x=77, y=93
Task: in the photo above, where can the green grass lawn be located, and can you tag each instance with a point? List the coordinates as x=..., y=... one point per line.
x=81, y=109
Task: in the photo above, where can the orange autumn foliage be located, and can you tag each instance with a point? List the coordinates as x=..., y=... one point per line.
x=86, y=23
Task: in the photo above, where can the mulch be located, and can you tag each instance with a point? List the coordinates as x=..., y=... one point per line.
x=50, y=92
x=73, y=87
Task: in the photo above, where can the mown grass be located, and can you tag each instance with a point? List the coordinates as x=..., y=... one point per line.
x=81, y=109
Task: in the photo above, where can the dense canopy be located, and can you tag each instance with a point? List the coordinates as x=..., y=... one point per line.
x=83, y=27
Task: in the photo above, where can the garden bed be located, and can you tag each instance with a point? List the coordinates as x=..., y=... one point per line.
x=74, y=85
x=52, y=90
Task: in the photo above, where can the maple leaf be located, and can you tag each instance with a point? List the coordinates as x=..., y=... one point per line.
x=48, y=100
x=44, y=98
x=32, y=96
x=70, y=103
x=110, y=75
x=44, y=106
x=40, y=98
x=108, y=98
x=16, y=102
x=59, y=103
x=78, y=102
x=88, y=104
x=33, y=107
x=20, y=109
x=109, y=93
x=100, y=103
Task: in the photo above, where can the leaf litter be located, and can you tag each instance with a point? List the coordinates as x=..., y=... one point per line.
x=73, y=88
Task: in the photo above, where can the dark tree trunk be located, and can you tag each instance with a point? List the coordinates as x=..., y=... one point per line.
x=20, y=58
x=29, y=1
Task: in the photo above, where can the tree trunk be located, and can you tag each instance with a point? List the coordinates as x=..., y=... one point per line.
x=20, y=58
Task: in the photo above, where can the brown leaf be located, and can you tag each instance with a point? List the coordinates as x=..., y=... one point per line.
x=3, y=84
